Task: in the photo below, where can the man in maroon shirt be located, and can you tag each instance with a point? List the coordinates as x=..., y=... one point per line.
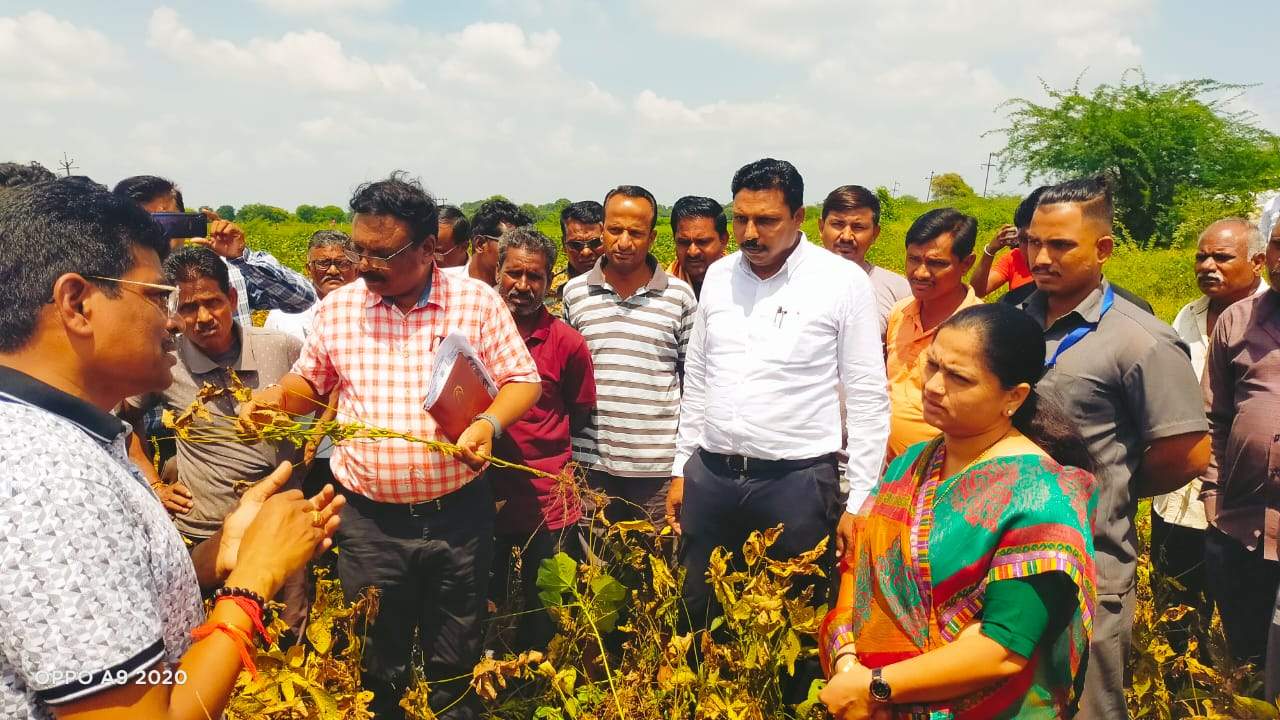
x=538, y=516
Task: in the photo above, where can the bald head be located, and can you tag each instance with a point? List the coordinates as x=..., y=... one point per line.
x=1229, y=260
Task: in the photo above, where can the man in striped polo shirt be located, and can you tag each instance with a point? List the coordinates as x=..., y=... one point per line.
x=636, y=320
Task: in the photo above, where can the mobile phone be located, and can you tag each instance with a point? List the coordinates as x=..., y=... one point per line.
x=182, y=225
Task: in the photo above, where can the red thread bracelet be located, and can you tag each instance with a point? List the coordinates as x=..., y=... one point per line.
x=241, y=639
x=252, y=609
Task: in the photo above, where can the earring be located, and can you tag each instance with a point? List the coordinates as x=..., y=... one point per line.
x=1009, y=413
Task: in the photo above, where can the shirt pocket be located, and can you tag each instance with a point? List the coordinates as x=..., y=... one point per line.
x=778, y=335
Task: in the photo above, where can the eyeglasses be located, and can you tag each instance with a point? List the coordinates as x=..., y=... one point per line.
x=580, y=245
x=486, y=238
x=377, y=260
x=326, y=263
x=166, y=303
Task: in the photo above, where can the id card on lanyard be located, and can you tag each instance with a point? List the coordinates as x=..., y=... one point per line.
x=1077, y=334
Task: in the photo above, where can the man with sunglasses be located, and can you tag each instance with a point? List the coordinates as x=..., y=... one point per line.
x=418, y=524
x=494, y=217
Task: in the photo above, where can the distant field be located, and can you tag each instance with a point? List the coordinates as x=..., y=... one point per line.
x=1163, y=277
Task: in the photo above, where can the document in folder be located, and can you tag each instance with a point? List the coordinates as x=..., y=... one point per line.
x=460, y=387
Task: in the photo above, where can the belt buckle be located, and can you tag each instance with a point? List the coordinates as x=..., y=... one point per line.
x=742, y=463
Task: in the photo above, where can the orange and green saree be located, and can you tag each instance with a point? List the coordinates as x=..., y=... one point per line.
x=925, y=550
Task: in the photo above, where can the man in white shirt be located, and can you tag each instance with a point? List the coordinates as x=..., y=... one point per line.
x=1228, y=267
x=329, y=269
x=780, y=325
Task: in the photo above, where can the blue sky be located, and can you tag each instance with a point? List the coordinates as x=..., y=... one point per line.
x=297, y=101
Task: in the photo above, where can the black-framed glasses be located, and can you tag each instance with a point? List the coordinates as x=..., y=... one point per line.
x=378, y=260
x=166, y=303
x=323, y=265
x=594, y=243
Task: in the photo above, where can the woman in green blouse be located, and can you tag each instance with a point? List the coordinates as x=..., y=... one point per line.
x=969, y=587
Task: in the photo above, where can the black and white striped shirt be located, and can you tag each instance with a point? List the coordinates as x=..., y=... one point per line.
x=637, y=345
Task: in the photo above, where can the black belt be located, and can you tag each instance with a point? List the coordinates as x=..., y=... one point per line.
x=418, y=509
x=742, y=464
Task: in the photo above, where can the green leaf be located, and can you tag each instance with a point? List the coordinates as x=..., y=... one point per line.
x=715, y=624
x=546, y=712
x=805, y=708
x=556, y=576
x=607, y=595
x=790, y=650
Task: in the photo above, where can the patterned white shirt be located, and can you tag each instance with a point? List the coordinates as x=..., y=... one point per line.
x=95, y=583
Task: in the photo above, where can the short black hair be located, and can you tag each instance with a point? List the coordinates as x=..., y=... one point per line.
x=637, y=192
x=329, y=238
x=770, y=174
x=69, y=226
x=194, y=262
x=13, y=175
x=528, y=238
x=492, y=213
x=848, y=198
x=402, y=198
x=1093, y=194
x=1027, y=208
x=963, y=229
x=587, y=212
x=696, y=206
x=453, y=215
x=145, y=188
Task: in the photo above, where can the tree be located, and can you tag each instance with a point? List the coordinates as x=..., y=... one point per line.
x=329, y=213
x=306, y=213
x=258, y=211
x=226, y=212
x=949, y=185
x=888, y=205
x=1163, y=147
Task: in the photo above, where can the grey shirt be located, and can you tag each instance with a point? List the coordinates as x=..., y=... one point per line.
x=890, y=287
x=217, y=472
x=1125, y=384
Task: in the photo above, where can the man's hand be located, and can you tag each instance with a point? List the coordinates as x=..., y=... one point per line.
x=475, y=441
x=1006, y=237
x=257, y=413
x=237, y=523
x=844, y=534
x=675, y=502
x=225, y=237
x=176, y=497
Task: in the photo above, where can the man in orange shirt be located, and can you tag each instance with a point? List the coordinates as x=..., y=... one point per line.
x=939, y=253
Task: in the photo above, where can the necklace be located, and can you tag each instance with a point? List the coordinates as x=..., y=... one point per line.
x=980, y=455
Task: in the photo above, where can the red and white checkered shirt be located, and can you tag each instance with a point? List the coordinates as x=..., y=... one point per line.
x=379, y=360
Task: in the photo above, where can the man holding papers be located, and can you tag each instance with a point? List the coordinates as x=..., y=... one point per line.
x=415, y=525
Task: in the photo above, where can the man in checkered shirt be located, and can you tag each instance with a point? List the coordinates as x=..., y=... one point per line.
x=418, y=525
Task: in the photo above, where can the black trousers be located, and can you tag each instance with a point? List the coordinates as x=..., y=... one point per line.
x=1177, y=555
x=431, y=563
x=1243, y=586
x=722, y=507
x=534, y=626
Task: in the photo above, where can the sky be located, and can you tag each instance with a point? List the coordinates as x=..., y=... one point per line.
x=298, y=101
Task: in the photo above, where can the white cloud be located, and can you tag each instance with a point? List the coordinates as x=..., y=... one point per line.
x=323, y=7
x=309, y=60
x=490, y=52
x=44, y=58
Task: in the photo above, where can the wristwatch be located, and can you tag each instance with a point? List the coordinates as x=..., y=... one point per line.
x=497, y=426
x=880, y=690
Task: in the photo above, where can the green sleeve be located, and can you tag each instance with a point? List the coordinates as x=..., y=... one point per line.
x=1018, y=612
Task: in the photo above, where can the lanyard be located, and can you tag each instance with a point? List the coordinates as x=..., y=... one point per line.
x=1078, y=333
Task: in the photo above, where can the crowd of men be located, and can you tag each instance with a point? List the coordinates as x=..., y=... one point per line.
x=721, y=394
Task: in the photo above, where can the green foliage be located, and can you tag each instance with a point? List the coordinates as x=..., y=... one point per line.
x=949, y=185
x=1162, y=146
x=888, y=204
x=313, y=214
x=258, y=211
x=226, y=212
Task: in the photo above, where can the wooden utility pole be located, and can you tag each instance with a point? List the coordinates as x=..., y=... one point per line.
x=928, y=193
x=68, y=164
x=987, y=165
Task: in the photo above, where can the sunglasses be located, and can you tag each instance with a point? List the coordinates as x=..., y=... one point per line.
x=375, y=260
x=580, y=245
x=325, y=264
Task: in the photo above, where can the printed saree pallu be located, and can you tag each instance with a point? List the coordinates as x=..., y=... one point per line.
x=925, y=549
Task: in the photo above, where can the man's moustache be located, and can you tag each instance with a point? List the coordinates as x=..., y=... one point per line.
x=750, y=245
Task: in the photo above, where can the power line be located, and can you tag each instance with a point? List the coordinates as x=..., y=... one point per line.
x=929, y=190
x=987, y=165
x=68, y=164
